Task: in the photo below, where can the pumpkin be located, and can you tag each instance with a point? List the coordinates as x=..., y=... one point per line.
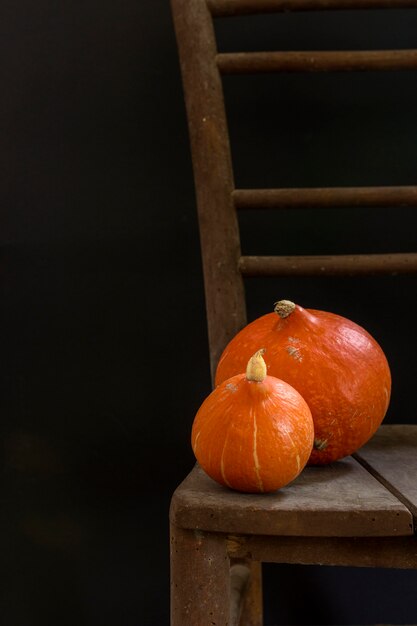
x=253, y=433
x=338, y=368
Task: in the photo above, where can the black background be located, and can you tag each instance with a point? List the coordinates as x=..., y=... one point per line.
x=104, y=345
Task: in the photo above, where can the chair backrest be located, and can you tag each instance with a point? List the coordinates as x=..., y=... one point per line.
x=218, y=200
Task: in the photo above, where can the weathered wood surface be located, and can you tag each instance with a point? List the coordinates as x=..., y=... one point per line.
x=391, y=456
x=329, y=265
x=325, y=197
x=321, y=61
x=213, y=174
x=339, y=500
x=391, y=552
x=200, y=579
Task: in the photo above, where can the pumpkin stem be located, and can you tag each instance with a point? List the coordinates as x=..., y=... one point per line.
x=284, y=308
x=256, y=369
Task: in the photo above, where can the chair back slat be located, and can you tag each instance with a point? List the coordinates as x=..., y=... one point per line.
x=325, y=197
x=333, y=61
x=224, y=8
x=329, y=265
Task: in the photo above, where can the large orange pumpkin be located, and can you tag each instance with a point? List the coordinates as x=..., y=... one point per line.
x=253, y=433
x=338, y=368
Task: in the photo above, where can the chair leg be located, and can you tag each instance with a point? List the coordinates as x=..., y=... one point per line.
x=200, y=579
x=252, y=610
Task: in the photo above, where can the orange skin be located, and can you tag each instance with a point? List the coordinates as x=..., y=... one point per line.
x=338, y=368
x=252, y=436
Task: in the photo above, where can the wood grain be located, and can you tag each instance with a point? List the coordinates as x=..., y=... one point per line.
x=325, y=197
x=330, y=265
x=339, y=500
x=391, y=552
x=391, y=456
x=200, y=579
x=321, y=61
x=213, y=174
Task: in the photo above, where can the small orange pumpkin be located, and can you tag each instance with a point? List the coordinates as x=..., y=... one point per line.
x=253, y=433
x=338, y=368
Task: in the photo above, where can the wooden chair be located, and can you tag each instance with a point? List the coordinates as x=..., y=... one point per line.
x=357, y=512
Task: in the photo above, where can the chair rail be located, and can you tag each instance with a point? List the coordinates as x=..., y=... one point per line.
x=336, y=265
x=225, y=8
x=325, y=197
x=320, y=61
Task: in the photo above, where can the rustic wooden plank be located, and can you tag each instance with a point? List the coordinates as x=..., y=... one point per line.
x=224, y=8
x=325, y=197
x=391, y=456
x=393, y=552
x=312, y=61
x=339, y=500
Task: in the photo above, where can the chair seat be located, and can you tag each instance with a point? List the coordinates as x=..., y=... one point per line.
x=372, y=494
